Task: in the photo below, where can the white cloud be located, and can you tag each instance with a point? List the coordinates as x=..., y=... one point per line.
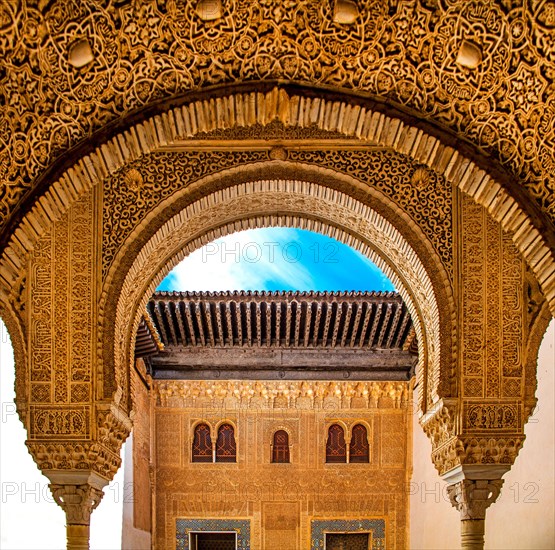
x=245, y=260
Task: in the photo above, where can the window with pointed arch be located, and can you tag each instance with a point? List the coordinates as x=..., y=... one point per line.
x=280, y=447
x=359, y=450
x=202, y=444
x=336, y=449
x=226, y=448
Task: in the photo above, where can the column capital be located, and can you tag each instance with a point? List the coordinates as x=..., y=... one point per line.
x=77, y=501
x=472, y=497
x=472, y=488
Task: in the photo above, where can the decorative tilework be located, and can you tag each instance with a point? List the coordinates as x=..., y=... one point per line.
x=241, y=527
x=320, y=527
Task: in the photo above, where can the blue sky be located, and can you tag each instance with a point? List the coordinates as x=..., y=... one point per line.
x=276, y=259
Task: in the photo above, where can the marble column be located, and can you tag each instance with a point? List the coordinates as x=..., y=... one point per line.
x=472, y=489
x=78, y=494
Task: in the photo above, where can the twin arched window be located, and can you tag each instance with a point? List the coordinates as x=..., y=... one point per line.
x=225, y=449
x=336, y=447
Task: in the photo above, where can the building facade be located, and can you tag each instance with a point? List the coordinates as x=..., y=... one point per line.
x=277, y=420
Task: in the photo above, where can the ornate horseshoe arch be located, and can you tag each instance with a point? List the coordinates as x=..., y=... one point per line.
x=425, y=182
x=274, y=202
x=422, y=133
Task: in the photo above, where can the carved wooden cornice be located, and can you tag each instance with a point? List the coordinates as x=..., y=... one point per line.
x=371, y=320
x=319, y=335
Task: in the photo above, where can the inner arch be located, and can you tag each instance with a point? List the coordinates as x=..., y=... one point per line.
x=289, y=204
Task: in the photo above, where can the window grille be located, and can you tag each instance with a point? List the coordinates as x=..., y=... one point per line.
x=359, y=450
x=202, y=444
x=336, y=449
x=226, y=449
x=280, y=447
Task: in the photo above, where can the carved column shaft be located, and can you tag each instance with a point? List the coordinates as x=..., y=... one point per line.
x=78, y=537
x=472, y=534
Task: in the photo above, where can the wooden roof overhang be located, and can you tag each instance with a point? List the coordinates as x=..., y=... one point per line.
x=278, y=335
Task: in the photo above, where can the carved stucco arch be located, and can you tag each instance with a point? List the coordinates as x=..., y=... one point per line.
x=364, y=123
x=18, y=340
x=300, y=204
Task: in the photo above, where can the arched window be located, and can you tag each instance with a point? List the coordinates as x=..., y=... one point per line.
x=226, y=449
x=359, y=450
x=280, y=447
x=336, y=450
x=202, y=444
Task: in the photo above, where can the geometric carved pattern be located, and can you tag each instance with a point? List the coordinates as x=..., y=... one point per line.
x=392, y=451
x=503, y=417
x=405, y=53
x=376, y=528
x=146, y=183
x=61, y=323
x=50, y=421
x=417, y=190
x=305, y=395
x=185, y=526
x=493, y=325
x=41, y=313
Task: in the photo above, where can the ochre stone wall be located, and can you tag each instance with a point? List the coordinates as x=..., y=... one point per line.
x=280, y=500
